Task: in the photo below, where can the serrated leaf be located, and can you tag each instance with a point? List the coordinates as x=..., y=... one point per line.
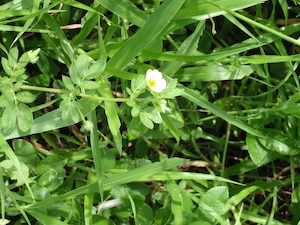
x=146, y=121
x=25, y=117
x=25, y=97
x=9, y=118
x=89, y=85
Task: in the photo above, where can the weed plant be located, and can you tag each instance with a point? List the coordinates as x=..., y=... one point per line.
x=182, y=112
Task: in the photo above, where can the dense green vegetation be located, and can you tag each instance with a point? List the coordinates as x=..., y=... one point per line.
x=87, y=138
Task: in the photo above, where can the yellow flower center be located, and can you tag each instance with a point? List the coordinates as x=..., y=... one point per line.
x=152, y=83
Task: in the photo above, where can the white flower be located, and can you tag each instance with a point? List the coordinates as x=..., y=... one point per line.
x=155, y=81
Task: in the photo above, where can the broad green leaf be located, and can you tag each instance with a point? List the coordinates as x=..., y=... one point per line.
x=68, y=83
x=25, y=117
x=153, y=114
x=13, y=173
x=96, y=69
x=136, y=128
x=25, y=152
x=257, y=151
x=171, y=126
x=13, y=57
x=52, y=179
x=146, y=121
x=277, y=141
x=9, y=118
x=25, y=97
x=89, y=85
x=101, y=220
x=5, y=65
x=51, y=162
x=75, y=74
x=215, y=198
x=145, y=215
x=82, y=65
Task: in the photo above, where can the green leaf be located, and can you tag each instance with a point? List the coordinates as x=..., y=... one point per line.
x=101, y=220
x=25, y=97
x=74, y=74
x=136, y=128
x=135, y=111
x=215, y=199
x=82, y=65
x=89, y=85
x=13, y=173
x=145, y=215
x=51, y=162
x=25, y=117
x=53, y=120
x=153, y=114
x=9, y=118
x=5, y=65
x=171, y=124
x=258, y=153
x=146, y=121
x=25, y=152
x=68, y=83
x=96, y=69
x=282, y=143
x=13, y=57
x=52, y=179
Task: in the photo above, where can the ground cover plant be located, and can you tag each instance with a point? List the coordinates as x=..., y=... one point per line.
x=149, y=112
